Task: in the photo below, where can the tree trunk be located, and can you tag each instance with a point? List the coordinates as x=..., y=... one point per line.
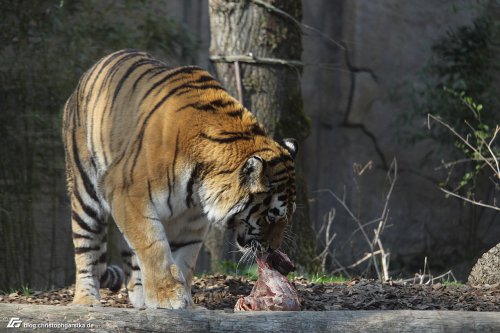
x=82, y=319
x=264, y=46
x=487, y=268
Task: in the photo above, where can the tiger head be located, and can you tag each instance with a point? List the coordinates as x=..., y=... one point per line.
x=267, y=180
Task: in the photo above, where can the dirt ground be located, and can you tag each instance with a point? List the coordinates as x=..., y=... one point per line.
x=219, y=292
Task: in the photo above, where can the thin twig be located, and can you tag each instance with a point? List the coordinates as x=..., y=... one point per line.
x=469, y=200
x=461, y=161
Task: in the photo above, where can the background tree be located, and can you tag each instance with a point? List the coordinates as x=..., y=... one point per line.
x=45, y=47
x=256, y=49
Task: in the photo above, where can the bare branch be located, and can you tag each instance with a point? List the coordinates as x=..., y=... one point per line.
x=465, y=141
x=469, y=200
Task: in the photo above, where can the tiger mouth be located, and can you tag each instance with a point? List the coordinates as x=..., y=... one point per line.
x=254, y=244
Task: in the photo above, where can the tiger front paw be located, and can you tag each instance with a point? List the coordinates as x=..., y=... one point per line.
x=171, y=292
x=86, y=300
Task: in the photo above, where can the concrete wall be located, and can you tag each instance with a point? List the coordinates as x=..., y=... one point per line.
x=350, y=94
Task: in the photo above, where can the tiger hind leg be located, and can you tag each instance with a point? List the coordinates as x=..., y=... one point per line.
x=89, y=240
x=133, y=279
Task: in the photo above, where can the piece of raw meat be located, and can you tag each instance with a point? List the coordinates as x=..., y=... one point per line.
x=272, y=291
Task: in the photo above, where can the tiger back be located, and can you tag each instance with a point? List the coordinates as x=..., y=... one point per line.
x=165, y=152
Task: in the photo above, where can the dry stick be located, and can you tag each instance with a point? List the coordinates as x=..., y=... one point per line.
x=461, y=161
x=357, y=263
x=383, y=220
x=351, y=214
x=422, y=277
x=384, y=276
x=328, y=239
x=469, y=200
x=251, y=59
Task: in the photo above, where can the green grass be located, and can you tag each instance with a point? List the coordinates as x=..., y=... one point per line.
x=322, y=278
x=250, y=272
x=228, y=267
x=452, y=283
x=24, y=290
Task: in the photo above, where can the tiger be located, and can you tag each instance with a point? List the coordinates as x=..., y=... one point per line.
x=166, y=152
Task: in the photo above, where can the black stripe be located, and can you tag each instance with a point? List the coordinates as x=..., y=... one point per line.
x=253, y=210
x=222, y=103
x=224, y=140
x=150, y=195
x=212, y=106
x=236, y=113
x=189, y=87
x=89, y=187
x=280, y=159
x=281, y=172
x=78, y=236
x=177, y=71
x=169, y=193
x=135, y=267
x=130, y=70
x=279, y=180
x=199, y=107
x=107, y=80
x=89, y=211
x=103, y=258
x=91, y=93
x=201, y=79
x=159, y=68
x=204, y=78
x=176, y=246
x=82, y=224
x=145, y=123
x=105, y=64
x=113, y=275
x=83, y=271
x=257, y=130
x=282, y=197
x=192, y=178
x=85, y=249
x=126, y=253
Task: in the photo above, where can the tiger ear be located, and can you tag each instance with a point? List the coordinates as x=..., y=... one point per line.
x=291, y=145
x=252, y=174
